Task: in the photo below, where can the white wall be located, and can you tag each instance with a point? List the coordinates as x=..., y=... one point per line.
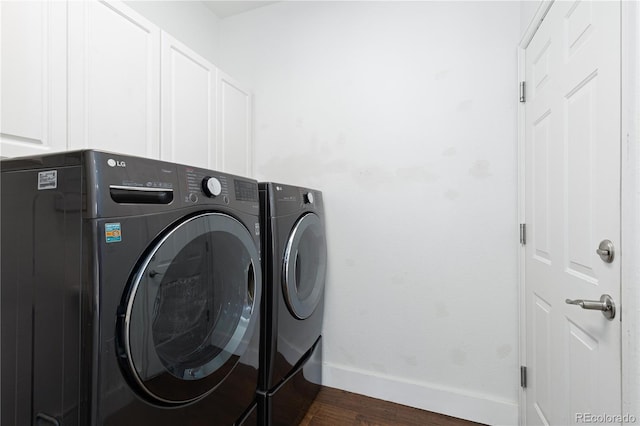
x=191, y=22
x=404, y=114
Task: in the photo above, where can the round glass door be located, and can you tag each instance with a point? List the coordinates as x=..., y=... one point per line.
x=191, y=308
x=305, y=266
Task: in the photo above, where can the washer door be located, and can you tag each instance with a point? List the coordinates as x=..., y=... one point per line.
x=191, y=309
x=305, y=266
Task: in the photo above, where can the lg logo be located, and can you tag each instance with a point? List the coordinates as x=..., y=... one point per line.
x=113, y=163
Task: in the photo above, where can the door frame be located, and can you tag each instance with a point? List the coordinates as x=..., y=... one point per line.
x=630, y=200
x=630, y=204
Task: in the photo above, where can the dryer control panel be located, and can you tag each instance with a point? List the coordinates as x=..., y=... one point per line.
x=288, y=199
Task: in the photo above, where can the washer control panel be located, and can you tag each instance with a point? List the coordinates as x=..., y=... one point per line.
x=203, y=185
x=141, y=185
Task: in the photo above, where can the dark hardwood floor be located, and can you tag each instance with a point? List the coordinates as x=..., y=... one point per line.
x=334, y=407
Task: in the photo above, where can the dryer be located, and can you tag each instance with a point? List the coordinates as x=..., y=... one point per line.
x=294, y=270
x=130, y=292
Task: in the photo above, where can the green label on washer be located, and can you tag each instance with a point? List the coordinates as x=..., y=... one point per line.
x=112, y=232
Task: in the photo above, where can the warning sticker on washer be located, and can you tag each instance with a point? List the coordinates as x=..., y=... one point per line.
x=48, y=180
x=112, y=232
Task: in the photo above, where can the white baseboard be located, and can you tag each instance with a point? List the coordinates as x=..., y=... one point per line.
x=452, y=402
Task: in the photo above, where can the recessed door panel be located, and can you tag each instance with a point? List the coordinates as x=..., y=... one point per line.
x=540, y=171
x=581, y=355
x=579, y=173
x=578, y=23
x=541, y=367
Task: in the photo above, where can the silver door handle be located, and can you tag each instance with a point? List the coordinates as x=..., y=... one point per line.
x=605, y=304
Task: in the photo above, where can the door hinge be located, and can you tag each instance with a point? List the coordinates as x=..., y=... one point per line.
x=523, y=376
x=523, y=97
x=523, y=234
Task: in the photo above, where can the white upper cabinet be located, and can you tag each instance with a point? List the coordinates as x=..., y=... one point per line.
x=97, y=74
x=235, y=147
x=33, y=84
x=188, y=129
x=114, y=79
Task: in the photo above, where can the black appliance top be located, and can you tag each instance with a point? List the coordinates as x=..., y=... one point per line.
x=120, y=185
x=288, y=199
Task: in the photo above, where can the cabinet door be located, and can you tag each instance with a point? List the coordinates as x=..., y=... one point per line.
x=235, y=145
x=34, y=81
x=188, y=129
x=114, y=79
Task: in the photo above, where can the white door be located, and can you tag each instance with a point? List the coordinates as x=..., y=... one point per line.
x=572, y=204
x=33, y=88
x=114, y=79
x=188, y=116
x=235, y=146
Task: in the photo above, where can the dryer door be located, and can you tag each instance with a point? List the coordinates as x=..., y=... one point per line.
x=305, y=266
x=191, y=309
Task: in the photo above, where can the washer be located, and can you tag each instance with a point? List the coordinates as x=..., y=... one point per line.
x=294, y=267
x=130, y=292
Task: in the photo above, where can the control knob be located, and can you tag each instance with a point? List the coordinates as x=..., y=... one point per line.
x=308, y=198
x=211, y=186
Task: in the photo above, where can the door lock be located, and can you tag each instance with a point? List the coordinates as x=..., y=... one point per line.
x=605, y=251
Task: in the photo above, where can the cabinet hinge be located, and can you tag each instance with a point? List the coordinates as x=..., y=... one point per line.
x=523, y=376
x=523, y=97
x=523, y=234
